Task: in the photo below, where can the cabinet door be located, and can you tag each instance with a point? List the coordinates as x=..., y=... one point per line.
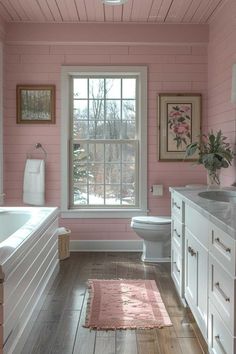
x=176, y=267
x=190, y=271
x=196, y=289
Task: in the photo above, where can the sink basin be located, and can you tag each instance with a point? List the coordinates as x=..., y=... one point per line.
x=219, y=196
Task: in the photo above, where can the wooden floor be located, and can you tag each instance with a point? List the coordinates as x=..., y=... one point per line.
x=59, y=326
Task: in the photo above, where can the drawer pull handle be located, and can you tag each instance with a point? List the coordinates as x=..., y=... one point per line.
x=226, y=249
x=191, y=251
x=176, y=267
x=217, y=338
x=176, y=232
x=217, y=285
x=177, y=206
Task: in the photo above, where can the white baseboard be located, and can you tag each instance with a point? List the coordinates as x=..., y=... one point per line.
x=106, y=246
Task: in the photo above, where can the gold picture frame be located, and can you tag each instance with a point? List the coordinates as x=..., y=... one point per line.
x=179, y=124
x=35, y=104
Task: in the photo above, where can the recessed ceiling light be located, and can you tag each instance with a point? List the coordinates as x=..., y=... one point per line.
x=114, y=2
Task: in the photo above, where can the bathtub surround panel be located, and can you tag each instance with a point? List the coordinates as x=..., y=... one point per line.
x=28, y=263
x=173, y=67
x=221, y=57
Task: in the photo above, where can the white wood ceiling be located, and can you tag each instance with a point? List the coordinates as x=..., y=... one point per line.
x=152, y=11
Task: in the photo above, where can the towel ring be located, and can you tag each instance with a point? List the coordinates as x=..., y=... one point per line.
x=37, y=146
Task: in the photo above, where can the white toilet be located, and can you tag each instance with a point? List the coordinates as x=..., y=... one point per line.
x=156, y=234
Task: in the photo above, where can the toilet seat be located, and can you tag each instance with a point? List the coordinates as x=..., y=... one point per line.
x=152, y=220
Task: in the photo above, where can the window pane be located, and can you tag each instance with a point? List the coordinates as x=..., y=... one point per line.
x=128, y=110
x=128, y=129
x=128, y=173
x=112, y=173
x=80, y=109
x=80, y=160
x=96, y=129
x=113, y=195
x=96, y=88
x=96, y=194
x=80, y=88
x=112, y=129
x=129, y=88
x=113, y=110
x=96, y=152
x=96, y=109
x=128, y=194
x=128, y=152
x=96, y=173
x=112, y=152
x=80, y=194
x=113, y=88
x=80, y=129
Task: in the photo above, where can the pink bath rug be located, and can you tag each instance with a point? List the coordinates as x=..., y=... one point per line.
x=125, y=304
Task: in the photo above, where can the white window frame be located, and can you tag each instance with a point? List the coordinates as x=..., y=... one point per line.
x=66, y=73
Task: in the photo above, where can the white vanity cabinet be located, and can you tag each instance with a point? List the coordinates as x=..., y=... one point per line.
x=203, y=269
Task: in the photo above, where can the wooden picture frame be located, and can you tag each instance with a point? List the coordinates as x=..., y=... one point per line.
x=179, y=124
x=35, y=104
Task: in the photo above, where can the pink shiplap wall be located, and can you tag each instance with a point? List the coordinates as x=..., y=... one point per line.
x=171, y=68
x=221, y=57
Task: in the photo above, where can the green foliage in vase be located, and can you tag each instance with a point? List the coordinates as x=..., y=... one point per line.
x=214, y=152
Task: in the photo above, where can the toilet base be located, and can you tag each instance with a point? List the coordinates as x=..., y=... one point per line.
x=155, y=252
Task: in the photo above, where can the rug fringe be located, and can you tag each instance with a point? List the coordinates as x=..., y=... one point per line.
x=89, y=302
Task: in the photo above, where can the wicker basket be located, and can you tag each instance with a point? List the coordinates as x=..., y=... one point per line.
x=63, y=243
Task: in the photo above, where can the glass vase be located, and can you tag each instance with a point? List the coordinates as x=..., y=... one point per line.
x=213, y=178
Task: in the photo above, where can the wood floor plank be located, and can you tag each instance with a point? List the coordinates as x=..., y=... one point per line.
x=147, y=342
x=168, y=341
x=201, y=342
x=85, y=338
x=105, y=342
x=183, y=327
x=66, y=331
x=190, y=346
x=126, y=342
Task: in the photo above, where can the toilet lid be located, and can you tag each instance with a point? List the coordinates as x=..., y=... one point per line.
x=154, y=220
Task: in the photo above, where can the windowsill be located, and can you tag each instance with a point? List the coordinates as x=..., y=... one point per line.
x=102, y=213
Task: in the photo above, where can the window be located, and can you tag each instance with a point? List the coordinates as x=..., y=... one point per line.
x=103, y=141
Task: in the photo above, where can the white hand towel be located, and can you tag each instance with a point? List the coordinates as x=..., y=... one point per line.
x=34, y=182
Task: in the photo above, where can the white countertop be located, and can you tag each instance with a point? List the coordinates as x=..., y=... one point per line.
x=222, y=214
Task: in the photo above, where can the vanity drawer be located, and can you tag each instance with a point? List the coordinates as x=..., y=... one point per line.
x=221, y=293
x=219, y=339
x=178, y=208
x=197, y=224
x=177, y=231
x=222, y=247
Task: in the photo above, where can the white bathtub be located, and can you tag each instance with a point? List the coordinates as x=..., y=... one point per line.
x=28, y=264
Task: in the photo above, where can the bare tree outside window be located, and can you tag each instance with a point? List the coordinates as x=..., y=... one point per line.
x=104, y=141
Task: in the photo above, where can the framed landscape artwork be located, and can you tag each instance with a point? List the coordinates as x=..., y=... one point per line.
x=35, y=104
x=179, y=123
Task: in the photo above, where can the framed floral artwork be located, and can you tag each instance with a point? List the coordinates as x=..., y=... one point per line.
x=179, y=123
x=35, y=104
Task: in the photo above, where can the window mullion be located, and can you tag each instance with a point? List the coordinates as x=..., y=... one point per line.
x=104, y=145
x=87, y=144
